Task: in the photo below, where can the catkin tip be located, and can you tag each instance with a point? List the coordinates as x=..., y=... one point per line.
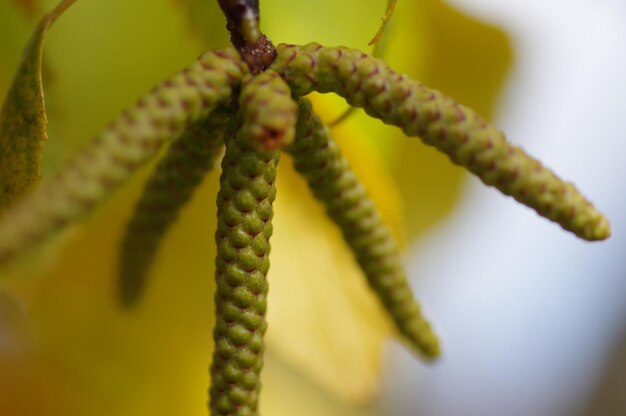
x=600, y=231
x=129, y=291
x=422, y=338
x=128, y=300
x=430, y=348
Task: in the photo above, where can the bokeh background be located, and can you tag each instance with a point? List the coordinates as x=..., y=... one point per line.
x=533, y=321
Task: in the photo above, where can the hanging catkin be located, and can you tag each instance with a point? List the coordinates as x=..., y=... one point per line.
x=439, y=121
x=247, y=191
x=169, y=188
x=317, y=158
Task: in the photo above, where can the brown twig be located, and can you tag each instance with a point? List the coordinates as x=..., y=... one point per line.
x=243, y=24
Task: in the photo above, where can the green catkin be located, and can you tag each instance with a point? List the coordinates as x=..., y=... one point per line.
x=169, y=188
x=247, y=191
x=318, y=159
x=268, y=109
x=129, y=142
x=439, y=121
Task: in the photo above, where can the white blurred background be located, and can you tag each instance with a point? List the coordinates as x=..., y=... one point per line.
x=530, y=316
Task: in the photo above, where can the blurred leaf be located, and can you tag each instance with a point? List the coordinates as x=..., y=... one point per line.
x=206, y=21
x=14, y=32
x=469, y=59
x=29, y=7
x=23, y=118
x=121, y=362
x=25, y=375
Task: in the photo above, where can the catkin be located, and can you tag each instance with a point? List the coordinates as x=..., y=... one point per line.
x=130, y=141
x=439, y=121
x=247, y=191
x=317, y=158
x=169, y=188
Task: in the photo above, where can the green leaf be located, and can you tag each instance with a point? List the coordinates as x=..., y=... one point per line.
x=23, y=118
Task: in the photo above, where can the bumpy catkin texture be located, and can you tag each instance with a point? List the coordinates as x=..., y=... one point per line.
x=128, y=142
x=247, y=191
x=439, y=121
x=269, y=111
x=169, y=188
x=317, y=158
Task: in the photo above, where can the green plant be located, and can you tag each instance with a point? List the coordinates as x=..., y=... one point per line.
x=252, y=98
